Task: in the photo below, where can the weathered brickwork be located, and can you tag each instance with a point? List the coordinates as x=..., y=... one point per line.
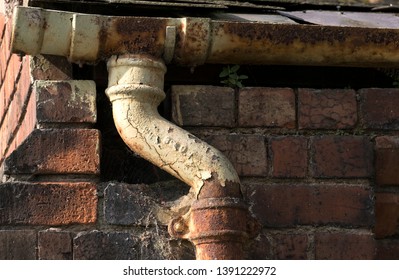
x=342, y=157
x=16, y=97
x=319, y=166
x=48, y=203
x=320, y=160
x=379, y=108
x=203, y=106
x=326, y=109
x=289, y=156
x=54, y=245
x=312, y=204
x=49, y=154
x=266, y=107
x=347, y=246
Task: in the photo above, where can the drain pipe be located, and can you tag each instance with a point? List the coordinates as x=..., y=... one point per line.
x=218, y=222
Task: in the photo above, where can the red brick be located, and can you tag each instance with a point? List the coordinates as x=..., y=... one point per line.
x=27, y=123
x=2, y=22
x=278, y=205
x=379, y=109
x=66, y=101
x=247, y=153
x=327, y=108
x=54, y=245
x=386, y=214
x=289, y=156
x=50, y=67
x=266, y=107
x=57, y=151
x=342, y=156
x=344, y=246
x=48, y=203
x=203, y=106
x=387, y=160
x=21, y=115
x=18, y=244
x=387, y=249
x=290, y=246
x=261, y=248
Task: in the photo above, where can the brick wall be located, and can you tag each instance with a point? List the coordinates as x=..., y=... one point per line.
x=319, y=166
x=16, y=96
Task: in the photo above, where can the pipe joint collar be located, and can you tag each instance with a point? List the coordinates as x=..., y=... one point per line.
x=136, y=69
x=136, y=76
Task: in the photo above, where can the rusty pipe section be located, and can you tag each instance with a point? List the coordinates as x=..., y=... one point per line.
x=218, y=222
x=194, y=41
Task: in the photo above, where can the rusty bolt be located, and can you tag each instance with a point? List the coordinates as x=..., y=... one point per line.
x=178, y=227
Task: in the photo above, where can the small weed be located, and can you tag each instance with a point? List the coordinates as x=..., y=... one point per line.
x=231, y=77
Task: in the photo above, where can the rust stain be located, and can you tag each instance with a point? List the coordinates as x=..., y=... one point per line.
x=310, y=34
x=139, y=35
x=192, y=41
x=219, y=228
x=212, y=188
x=259, y=43
x=219, y=223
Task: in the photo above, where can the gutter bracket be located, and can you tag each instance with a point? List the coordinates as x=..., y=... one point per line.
x=170, y=42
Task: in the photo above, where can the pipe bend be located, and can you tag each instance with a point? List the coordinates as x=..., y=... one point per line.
x=135, y=89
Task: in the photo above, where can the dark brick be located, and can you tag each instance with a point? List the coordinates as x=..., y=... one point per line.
x=327, y=108
x=266, y=107
x=247, y=153
x=55, y=245
x=344, y=246
x=47, y=203
x=342, y=156
x=386, y=214
x=289, y=156
x=17, y=244
x=153, y=244
x=128, y=205
x=57, y=151
x=387, y=249
x=96, y=245
x=387, y=160
x=66, y=101
x=203, y=106
x=379, y=108
x=330, y=204
x=260, y=248
x=289, y=246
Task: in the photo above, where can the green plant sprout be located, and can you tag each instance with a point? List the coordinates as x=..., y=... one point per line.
x=231, y=77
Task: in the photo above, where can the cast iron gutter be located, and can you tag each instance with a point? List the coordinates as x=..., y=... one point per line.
x=195, y=41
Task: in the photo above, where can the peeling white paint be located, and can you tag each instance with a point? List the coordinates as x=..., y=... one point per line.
x=135, y=89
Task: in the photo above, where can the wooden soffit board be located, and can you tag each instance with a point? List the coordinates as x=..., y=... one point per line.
x=225, y=4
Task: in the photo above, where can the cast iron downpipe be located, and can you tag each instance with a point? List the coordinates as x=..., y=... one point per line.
x=137, y=48
x=218, y=223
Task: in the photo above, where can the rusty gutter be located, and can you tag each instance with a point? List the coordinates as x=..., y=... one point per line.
x=202, y=40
